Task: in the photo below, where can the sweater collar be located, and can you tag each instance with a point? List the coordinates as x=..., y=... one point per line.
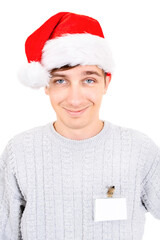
x=79, y=144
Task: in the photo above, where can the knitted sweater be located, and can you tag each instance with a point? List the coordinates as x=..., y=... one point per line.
x=48, y=184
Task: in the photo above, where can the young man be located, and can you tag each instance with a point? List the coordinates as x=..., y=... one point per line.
x=78, y=177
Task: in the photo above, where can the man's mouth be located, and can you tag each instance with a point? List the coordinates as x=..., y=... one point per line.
x=76, y=112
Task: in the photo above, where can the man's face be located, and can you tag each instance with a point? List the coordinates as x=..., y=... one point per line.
x=81, y=87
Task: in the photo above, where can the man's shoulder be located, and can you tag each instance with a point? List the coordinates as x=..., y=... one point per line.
x=30, y=134
x=137, y=140
x=133, y=133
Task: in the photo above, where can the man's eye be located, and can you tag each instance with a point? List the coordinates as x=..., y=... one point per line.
x=59, y=80
x=90, y=80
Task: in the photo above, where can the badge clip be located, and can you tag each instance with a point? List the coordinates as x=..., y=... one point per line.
x=110, y=191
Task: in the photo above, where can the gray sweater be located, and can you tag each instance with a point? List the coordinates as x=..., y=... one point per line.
x=49, y=183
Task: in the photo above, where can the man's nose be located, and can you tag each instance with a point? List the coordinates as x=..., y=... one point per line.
x=75, y=93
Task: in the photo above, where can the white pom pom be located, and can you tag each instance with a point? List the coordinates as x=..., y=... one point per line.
x=33, y=75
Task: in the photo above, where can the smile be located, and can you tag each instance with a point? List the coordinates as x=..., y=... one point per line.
x=76, y=113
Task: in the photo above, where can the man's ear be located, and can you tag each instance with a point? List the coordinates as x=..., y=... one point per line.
x=46, y=90
x=108, y=79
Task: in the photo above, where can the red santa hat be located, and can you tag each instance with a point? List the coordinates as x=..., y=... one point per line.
x=65, y=38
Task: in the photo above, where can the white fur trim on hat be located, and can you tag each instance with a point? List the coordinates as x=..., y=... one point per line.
x=71, y=49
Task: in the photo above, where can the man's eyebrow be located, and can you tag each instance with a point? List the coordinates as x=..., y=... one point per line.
x=83, y=73
x=91, y=73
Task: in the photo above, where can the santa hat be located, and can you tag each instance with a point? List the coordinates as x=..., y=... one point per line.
x=64, y=39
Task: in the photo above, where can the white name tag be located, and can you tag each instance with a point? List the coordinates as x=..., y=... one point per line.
x=110, y=209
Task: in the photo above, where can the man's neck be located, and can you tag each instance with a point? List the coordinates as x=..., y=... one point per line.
x=80, y=133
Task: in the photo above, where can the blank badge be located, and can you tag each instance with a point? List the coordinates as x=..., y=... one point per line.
x=110, y=208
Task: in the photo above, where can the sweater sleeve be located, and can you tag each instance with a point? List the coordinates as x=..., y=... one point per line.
x=11, y=200
x=150, y=194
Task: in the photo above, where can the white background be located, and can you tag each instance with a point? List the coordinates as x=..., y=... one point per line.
x=133, y=31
